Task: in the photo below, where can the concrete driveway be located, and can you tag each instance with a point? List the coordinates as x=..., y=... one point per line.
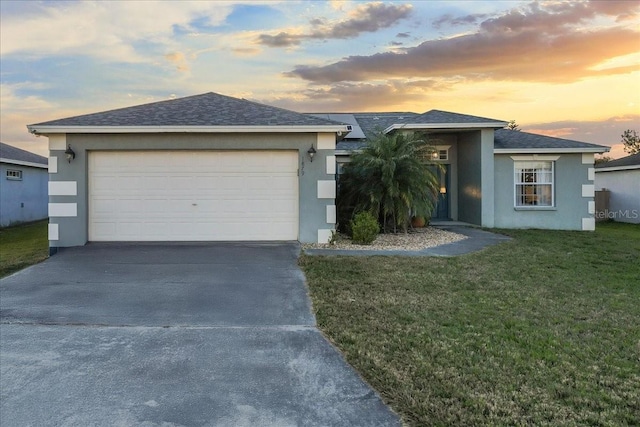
x=172, y=335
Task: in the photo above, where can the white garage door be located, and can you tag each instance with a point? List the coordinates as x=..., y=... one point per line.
x=193, y=195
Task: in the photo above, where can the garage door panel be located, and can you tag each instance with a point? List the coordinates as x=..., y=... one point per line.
x=204, y=195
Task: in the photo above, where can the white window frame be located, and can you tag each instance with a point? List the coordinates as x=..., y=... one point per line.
x=520, y=165
x=438, y=150
x=14, y=174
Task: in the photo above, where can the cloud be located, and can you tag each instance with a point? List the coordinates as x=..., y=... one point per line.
x=245, y=51
x=106, y=30
x=179, y=59
x=603, y=132
x=17, y=111
x=536, y=43
x=350, y=97
x=403, y=35
x=457, y=21
x=365, y=18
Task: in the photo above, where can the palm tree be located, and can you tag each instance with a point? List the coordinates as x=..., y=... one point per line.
x=393, y=178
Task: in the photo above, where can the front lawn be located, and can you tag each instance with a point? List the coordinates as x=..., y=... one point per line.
x=542, y=330
x=22, y=246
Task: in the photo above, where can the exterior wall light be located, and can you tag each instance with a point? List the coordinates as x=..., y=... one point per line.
x=311, y=152
x=70, y=154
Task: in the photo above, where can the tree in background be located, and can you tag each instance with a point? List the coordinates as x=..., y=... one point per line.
x=631, y=141
x=513, y=125
x=392, y=178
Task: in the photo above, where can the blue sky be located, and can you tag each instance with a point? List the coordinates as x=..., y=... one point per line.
x=569, y=69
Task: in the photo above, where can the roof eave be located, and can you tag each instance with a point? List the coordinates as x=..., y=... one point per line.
x=618, y=168
x=551, y=150
x=23, y=163
x=489, y=125
x=52, y=129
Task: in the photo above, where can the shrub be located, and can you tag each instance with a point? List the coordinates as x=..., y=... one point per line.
x=364, y=228
x=393, y=177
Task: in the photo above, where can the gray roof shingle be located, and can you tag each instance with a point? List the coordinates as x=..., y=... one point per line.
x=632, y=160
x=10, y=152
x=208, y=109
x=346, y=118
x=446, y=117
x=373, y=123
x=514, y=139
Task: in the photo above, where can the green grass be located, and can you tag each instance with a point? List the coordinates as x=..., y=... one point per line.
x=541, y=330
x=22, y=246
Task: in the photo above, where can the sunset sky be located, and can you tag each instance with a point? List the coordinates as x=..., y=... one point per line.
x=568, y=69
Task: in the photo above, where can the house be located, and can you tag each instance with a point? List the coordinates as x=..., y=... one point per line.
x=212, y=167
x=23, y=186
x=621, y=178
x=200, y=168
x=493, y=177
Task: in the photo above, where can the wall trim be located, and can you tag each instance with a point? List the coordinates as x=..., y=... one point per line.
x=326, y=189
x=63, y=188
x=588, y=158
x=331, y=165
x=53, y=164
x=326, y=141
x=588, y=190
x=331, y=214
x=53, y=232
x=533, y=157
x=588, y=224
x=57, y=141
x=324, y=235
x=63, y=209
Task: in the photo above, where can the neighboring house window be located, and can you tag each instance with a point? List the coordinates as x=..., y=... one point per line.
x=534, y=183
x=14, y=174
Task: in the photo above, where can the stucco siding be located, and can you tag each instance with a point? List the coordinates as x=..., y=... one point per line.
x=22, y=200
x=571, y=177
x=73, y=231
x=624, y=196
x=470, y=177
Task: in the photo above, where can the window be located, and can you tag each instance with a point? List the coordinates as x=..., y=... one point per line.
x=14, y=174
x=534, y=183
x=441, y=152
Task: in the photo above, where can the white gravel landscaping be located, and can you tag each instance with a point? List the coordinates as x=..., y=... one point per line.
x=415, y=240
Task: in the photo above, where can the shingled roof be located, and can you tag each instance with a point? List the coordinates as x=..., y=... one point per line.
x=15, y=155
x=374, y=123
x=506, y=139
x=446, y=117
x=208, y=109
x=628, y=162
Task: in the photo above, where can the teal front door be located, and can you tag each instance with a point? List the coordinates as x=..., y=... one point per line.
x=441, y=212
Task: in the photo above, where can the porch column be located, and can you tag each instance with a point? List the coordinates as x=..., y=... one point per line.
x=487, y=177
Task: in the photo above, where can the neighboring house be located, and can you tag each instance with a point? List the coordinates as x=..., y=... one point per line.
x=23, y=186
x=212, y=167
x=621, y=178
